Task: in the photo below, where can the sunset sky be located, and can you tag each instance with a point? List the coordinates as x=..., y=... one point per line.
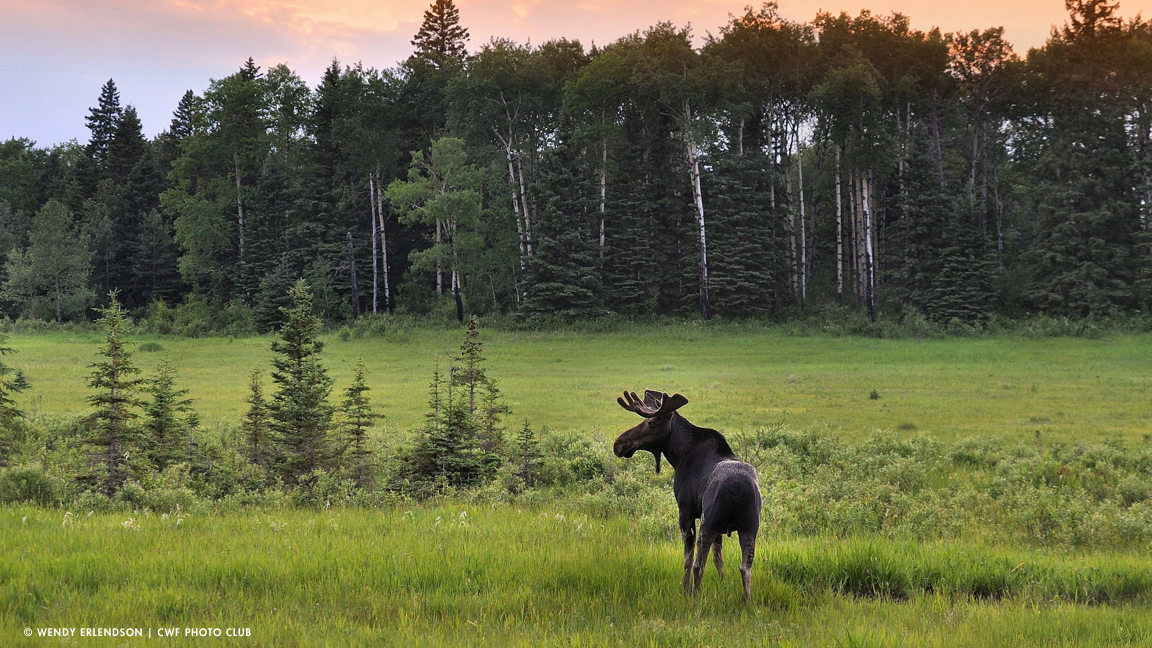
x=55, y=54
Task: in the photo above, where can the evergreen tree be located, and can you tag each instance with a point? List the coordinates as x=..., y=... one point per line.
x=744, y=264
x=358, y=419
x=301, y=415
x=917, y=239
x=963, y=288
x=563, y=275
x=116, y=383
x=12, y=382
x=166, y=417
x=441, y=38
x=274, y=297
x=528, y=456
x=256, y=422
x=127, y=145
x=102, y=121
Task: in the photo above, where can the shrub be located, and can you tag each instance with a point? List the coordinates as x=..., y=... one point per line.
x=28, y=485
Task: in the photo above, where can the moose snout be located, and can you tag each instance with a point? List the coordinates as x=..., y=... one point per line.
x=621, y=450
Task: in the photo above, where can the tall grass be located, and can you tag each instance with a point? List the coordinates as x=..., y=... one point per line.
x=501, y=575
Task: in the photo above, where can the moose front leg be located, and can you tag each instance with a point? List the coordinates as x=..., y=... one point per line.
x=688, y=532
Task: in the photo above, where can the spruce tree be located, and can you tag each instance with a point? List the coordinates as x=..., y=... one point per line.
x=301, y=414
x=102, y=122
x=528, y=456
x=166, y=417
x=358, y=418
x=563, y=275
x=441, y=38
x=127, y=145
x=256, y=422
x=12, y=382
x=117, y=384
x=274, y=297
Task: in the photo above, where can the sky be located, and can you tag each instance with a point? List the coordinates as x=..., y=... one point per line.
x=56, y=54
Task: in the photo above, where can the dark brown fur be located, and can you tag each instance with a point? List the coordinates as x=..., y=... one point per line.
x=710, y=484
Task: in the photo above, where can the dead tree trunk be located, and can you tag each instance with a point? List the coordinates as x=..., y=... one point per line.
x=383, y=248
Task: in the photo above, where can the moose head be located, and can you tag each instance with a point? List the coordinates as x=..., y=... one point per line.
x=652, y=435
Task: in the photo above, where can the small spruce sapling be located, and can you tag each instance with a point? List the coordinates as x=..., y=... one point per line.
x=165, y=432
x=116, y=382
x=358, y=419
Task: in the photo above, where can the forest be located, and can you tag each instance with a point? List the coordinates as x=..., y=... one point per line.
x=766, y=170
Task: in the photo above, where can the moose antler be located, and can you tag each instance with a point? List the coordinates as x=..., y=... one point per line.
x=654, y=404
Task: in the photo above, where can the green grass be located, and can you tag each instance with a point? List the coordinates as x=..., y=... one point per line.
x=497, y=576
x=1066, y=388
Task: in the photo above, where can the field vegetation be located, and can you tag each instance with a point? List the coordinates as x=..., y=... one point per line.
x=940, y=492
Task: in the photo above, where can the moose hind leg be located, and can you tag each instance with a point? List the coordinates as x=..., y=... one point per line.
x=718, y=555
x=707, y=539
x=747, y=553
x=689, y=534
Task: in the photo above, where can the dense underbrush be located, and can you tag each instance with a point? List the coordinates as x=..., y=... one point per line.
x=989, y=489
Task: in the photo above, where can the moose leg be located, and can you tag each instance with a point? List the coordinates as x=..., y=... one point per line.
x=718, y=555
x=688, y=532
x=747, y=552
x=708, y=538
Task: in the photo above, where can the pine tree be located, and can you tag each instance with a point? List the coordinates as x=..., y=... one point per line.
x=744, y=264
x=166, y=417
x=441, y=38
x=963, y=288
x=256, y=422
x=12, y=382
x=916, y=238
x=183, y=117
x=470, y=374
x=274, y=297
x=117, y=383
x=127, y=145
x=102, y=121
x=528, y=456
x=563, y=275
x=358, y=419
x=301, y=414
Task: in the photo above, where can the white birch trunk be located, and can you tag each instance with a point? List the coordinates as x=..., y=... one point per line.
x=839, y=235
x=803, y=222
x=603, y=192
x=698, y=196
x=383, y=249
x=372, y=223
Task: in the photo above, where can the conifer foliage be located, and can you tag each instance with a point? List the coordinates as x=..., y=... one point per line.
x=167, y=415
x=117, y=383
x=358, y=417
x=441, y=38
x=256, y=422
x=301, y=413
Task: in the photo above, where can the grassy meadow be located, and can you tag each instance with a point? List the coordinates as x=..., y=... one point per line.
x=1066, y=388
x=954, y=525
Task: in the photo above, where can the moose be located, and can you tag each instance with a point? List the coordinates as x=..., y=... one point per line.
x=710, y=483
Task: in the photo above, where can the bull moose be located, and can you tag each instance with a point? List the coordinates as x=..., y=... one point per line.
x=710, y=483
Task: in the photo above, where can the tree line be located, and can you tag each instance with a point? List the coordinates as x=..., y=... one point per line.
x=782, y=166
